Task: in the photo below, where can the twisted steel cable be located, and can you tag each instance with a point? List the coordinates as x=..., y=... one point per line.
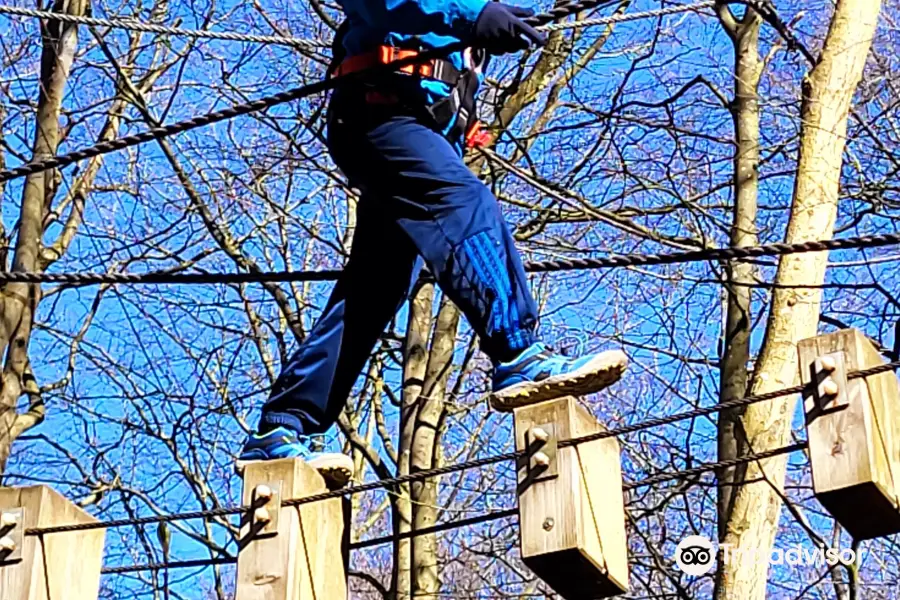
x=489, y=460
x=483, y=518
x=195, y=514
x=266, y=102
x=179, y=564
x=713, y=466
x=626, y=17
x=562, y=264
x=135, y=25
x=715, y=254
x=129, y=24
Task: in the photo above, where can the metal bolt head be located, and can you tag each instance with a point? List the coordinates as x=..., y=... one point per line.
x=8, y=520
x=548, y=524
x=538, y=434
x=7, y=544
x=261, y=515
x=828, y=363
x=263, y=492
x=541, y=460
x=830, y=388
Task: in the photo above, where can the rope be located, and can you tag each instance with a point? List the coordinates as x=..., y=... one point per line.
x=558, y=12
x=710, y=254
x=489, y=460
x=626, y=17
x=166, y=277
x=563, y=264
x=134, y=25
x=233, y=36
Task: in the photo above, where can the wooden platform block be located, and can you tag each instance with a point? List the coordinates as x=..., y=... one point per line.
x=55, y=565
x=853, y=428
x=571, y=505
x=298, y=553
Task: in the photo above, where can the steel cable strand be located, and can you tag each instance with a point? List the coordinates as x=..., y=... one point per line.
x=178, y=564
x=661, y=478
x=483, y=518
x=550, y=266
x=130, y=24
x=267, y=102
x=166, y=277
x=710, y=254
x=135, y=25
x=566, y=9
x=197, y=514
x=713, y=466
x=477, y=463
x=626, y=17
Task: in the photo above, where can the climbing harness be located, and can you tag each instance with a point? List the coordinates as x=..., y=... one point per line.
x=457, y=110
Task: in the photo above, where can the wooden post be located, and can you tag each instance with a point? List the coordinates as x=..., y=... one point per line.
x=853, y=427
x=571, y=507
x=50, y=566
x=290, y=552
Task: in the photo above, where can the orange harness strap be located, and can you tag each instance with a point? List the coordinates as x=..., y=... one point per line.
x=382, y=56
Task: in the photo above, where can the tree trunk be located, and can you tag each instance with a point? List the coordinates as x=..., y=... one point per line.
x=828, y=91
x=18, y=301
x=744, y=34
x=427, y=369
x=415, y=365
x=426, y=449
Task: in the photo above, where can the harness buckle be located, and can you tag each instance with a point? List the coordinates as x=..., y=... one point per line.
x=476, y=137
x=441, y=70
x=390, y=54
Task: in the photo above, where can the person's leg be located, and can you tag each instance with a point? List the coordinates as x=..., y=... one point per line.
x=452, y=219
x=455, y=223
x=315, y=382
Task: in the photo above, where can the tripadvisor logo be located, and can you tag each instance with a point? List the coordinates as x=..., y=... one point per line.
x=695, y=555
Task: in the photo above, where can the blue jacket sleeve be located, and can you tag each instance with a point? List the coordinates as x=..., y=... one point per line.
x=416, y=17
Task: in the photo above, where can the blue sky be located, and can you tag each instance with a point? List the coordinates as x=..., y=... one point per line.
x=154, y=356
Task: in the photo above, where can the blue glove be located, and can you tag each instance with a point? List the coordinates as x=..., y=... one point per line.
x=500, y=29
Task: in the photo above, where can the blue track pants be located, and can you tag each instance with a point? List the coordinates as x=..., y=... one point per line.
x=418, y=199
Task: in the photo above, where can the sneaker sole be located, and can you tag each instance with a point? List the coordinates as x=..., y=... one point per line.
x=335, y=469
x=601, y=372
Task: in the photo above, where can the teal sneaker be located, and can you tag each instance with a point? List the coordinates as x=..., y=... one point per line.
x=538, y=374
x=335, y=468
